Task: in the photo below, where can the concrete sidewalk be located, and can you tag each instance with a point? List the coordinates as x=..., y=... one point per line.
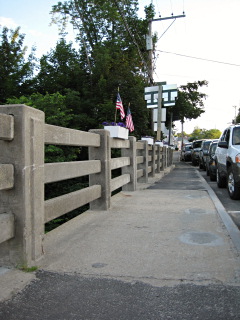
x=160, y=237
x=170, y=237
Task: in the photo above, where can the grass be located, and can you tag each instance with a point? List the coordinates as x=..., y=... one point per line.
x=27, y=269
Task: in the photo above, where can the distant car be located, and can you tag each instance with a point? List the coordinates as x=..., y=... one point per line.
x=186, y=152
x=204, y=152
x=195, y=149
x=210, y=161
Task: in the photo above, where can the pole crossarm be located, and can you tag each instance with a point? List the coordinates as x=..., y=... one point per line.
x=167, y=18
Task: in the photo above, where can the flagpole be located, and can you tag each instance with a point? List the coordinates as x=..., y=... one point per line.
x=116, y=111
x=115, y=116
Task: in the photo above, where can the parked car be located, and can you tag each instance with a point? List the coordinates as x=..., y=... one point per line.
x=203, y=153
x=195, y=149
x=228, y=161
x=210, y=161
x=185, y=154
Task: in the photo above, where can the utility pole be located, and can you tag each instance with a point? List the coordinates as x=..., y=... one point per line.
x=235, y=118
x=149, y=46
x=159, y=119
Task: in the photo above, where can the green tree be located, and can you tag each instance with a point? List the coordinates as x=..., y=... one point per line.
x=112, y=54
x=238, y=116
x=190, y=102
x=213, y=134
x=60, y=69
x=56, y=113
x=199, y=133
x=16, y=72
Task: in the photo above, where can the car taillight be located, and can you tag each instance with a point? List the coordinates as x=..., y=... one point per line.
x=237, y=158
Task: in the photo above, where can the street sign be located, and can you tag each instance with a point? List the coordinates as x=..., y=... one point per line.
x=169, y=95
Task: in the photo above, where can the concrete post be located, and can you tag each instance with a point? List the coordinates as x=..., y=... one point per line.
x=153, y=152
x=158, y=152
x=144, y=165
x=102, y=153
x=164, y=157
x=161, y=159
x=26, y=199
x=132, y=168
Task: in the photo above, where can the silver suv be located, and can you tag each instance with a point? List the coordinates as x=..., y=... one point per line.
x=228, y=161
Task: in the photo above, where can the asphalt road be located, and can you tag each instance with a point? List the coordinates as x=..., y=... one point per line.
x=222, y=194
x=56, y=296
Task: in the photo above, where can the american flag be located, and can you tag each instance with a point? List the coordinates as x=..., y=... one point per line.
x=119, y=106
x=129, y=121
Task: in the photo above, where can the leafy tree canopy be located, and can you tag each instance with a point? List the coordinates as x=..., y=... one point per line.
x=190, y=102
x=16, y=72
x=204, y=134
x=238, y=116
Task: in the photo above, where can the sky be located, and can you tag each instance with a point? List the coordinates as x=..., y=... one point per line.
x=202, y=46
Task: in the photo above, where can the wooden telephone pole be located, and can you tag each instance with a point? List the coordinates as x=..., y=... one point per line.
x=150, y=73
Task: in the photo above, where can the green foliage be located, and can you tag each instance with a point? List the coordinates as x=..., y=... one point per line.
x=189, y=103
x=16, y=73
x=238, y=116
x=60, y=69
x=27, y=269
x=56, y=113
x=53, y=105
x=204, y=134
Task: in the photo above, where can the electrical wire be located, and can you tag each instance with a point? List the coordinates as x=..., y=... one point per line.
x=209, y=60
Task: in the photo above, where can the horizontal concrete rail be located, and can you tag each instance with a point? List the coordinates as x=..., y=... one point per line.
x=70, y=137
x=120, y=181
x=6, y=176
x=139, y=173
x=67, y=170
x=116, y=163
x=6, y=127
x=140, y=159
x=6, y=226
x=119, y=143
x=140, y=146
x=58, y=206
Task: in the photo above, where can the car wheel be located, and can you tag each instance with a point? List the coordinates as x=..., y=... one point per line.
x=233, y=189
x=200, y=165
x=212, y=177
x=221, y=182
x=207, y=170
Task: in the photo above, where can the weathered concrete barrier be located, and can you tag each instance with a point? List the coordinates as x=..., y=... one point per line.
x=23, y=175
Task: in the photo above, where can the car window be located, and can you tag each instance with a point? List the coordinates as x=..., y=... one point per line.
x=206, y=145
x=226, y=135
x=236, y=136
x=213, y=148
x=197, y=144
x=223, y=137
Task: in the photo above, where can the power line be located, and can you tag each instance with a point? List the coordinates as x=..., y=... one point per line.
x=198, y=58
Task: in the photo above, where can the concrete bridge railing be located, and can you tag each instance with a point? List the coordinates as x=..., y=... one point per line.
x=23, y=175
